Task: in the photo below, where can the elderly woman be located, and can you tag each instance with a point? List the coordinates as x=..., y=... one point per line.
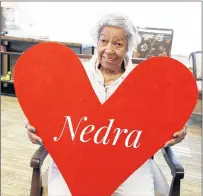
x=115, y=36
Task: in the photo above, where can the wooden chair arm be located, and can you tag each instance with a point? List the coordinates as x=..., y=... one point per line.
x=175, y=166
x=177, y=170
x=38, y=157
x=36, y=163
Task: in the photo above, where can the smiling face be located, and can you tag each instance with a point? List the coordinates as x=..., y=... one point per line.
x=112, y=47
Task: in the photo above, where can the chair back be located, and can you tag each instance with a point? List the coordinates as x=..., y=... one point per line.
x=196, y=62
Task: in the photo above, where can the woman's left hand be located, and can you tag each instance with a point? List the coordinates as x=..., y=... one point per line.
x=177, y=137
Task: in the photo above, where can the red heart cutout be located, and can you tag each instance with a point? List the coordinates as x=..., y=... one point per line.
x=157, y=98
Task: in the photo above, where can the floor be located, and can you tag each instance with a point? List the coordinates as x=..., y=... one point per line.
x=16, y=152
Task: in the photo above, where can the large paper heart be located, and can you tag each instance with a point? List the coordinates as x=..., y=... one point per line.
x=154, y=101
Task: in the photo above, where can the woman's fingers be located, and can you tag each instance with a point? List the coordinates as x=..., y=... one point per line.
x=171, y=142
x=30, y=128
x=177, y=138
x=32, y=136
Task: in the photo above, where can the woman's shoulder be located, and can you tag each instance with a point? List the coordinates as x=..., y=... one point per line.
x=89, y=64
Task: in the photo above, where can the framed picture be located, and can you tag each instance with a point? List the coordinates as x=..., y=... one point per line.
x=154, y=42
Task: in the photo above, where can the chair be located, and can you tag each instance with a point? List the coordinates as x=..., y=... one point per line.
x=196, y=61
x=177, y=171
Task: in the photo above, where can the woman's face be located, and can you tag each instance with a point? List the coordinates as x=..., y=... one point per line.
x=112, y=47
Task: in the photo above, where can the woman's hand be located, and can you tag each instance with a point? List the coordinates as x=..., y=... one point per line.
x=177, y=137
x=32, y=136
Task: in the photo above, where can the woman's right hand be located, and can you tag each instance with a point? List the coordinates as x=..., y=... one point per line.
x=32, y=136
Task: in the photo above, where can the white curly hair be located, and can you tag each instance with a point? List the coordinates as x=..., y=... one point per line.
x=119, y=21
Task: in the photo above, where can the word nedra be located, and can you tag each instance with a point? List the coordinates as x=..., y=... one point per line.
x=107, y=129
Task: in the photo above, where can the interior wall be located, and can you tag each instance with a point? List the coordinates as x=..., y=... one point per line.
x=72, y=21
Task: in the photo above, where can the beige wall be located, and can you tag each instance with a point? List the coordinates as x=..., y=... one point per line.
x=68, y=21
